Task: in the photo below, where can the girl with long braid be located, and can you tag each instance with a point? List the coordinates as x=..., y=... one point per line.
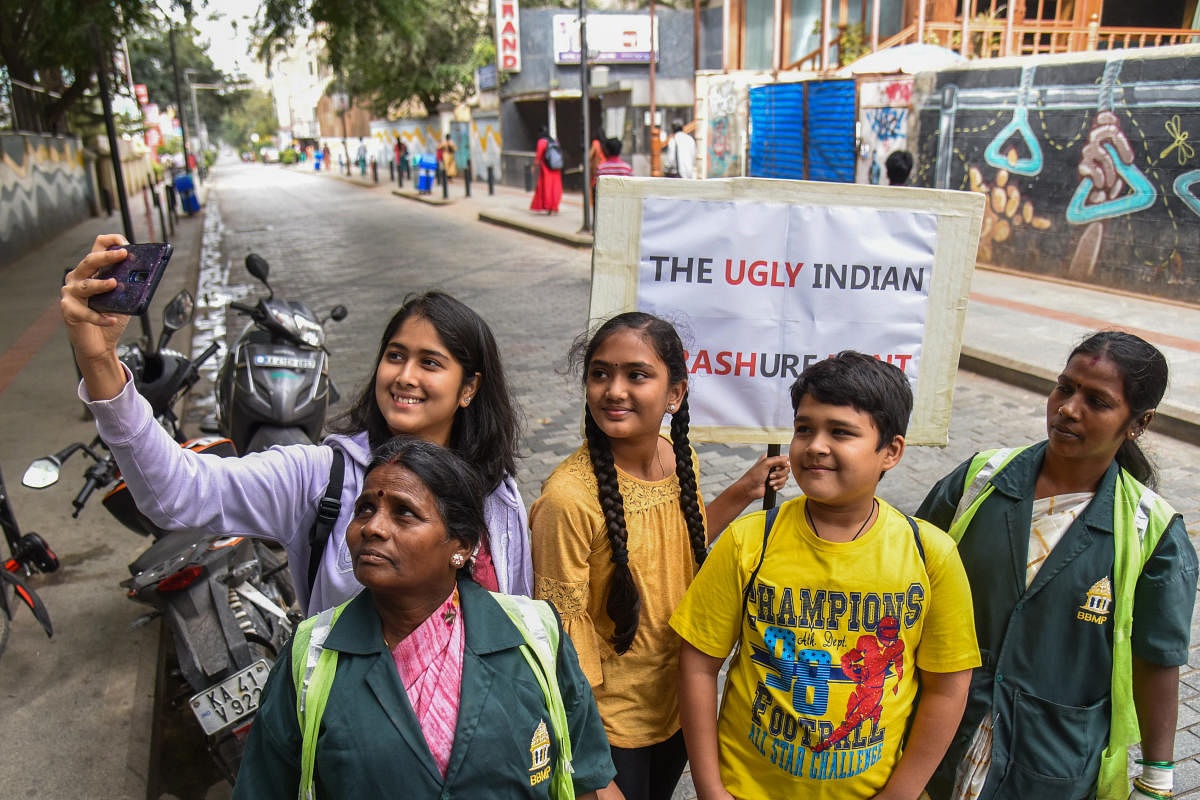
x=618, y=532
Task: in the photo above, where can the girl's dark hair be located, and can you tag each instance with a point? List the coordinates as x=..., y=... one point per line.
x=1143, y=372
x=624, y=604
x=455, y=485
x=486, y=432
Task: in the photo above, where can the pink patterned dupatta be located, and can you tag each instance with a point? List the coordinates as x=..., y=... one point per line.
x=430, y=661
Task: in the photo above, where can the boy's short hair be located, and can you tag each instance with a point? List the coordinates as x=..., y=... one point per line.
x=864, y=383
x=613, y=147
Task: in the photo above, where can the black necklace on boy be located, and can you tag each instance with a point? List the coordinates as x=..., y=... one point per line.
x=861, y=528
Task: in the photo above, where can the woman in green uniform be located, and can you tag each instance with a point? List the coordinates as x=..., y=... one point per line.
x=1083, y=582
x=425, y=684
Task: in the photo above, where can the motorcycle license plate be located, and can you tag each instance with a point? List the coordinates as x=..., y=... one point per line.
x=231, y=700
x=287, y=362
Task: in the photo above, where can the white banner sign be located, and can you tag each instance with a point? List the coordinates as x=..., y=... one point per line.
x=769, y=288
x=765, y=277
x=611, y=38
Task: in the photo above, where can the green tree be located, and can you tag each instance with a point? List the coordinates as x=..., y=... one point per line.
x=150, y=60
x=46, y=44
x=389, y=51
x=255, y=114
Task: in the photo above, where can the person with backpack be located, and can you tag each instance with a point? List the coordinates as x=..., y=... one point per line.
x=1083, y=581
x=851, y=621
x=548, y=163
x=425, y=685
x=437, y=376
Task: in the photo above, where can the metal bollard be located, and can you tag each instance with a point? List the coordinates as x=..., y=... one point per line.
x=374, y=171
x=467, y=178
x=162, y=221
x=491, y=180
x=391, y=171
x=445, y=186
x=528, y=179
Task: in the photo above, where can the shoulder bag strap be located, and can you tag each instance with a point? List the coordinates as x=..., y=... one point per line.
x=768, y=523
x=328, y=510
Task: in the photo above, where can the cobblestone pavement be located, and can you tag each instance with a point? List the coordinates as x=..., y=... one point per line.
x=331, y=241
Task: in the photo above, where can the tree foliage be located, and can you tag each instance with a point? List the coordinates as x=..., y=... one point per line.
x=150, y=63
x=255, y=114
x=387, y=51
x=46, y=44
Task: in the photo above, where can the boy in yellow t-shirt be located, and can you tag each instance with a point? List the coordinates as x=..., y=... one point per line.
x=839, y=602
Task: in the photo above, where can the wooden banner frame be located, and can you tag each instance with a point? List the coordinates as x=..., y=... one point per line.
x=615, y=257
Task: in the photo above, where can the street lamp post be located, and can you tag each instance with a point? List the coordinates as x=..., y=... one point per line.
x=196, y=116
x=587, y=135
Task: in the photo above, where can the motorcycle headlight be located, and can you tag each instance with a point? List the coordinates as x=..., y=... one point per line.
x=286, y=320
x=309, y=332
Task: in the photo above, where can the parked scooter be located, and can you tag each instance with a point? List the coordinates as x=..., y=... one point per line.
x=227, y=601
x=274, y=386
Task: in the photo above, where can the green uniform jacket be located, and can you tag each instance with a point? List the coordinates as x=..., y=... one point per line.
x=1046, y=650
x=371, y=745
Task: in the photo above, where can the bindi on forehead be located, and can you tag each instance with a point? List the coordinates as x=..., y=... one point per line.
x=379, y=492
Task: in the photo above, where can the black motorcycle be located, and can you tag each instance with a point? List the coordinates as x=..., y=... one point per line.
x=274, y=386
x=228, y=601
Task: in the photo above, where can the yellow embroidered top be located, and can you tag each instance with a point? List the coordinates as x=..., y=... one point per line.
x=572, y=564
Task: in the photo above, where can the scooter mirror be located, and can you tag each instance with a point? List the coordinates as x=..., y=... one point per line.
x=257, y=266
x=338, y=313
x=42, y=472
x=179, y=311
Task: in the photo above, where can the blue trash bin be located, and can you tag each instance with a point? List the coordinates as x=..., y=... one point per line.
x=428, y=166
x=187, y=193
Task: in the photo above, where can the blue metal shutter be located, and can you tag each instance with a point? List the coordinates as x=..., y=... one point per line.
x=831, y=131
x=777, y=131
x=803, y=131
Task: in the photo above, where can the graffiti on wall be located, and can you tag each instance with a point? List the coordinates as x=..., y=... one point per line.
x=44, y=188
x=1090, y=167
x=883, y=124
x=485, y=144
x=723, y=142
x=422, y=136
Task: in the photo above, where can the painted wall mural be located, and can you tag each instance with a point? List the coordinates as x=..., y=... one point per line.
x=1090, y=167
x=44, y=189
x=723, y=141
x=883, y=117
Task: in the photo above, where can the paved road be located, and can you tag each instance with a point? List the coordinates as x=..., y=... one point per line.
x=330, y=241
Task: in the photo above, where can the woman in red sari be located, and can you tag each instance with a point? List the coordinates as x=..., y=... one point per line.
x=547, y=194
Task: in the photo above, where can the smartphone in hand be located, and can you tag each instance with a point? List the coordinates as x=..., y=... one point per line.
x=137, y=278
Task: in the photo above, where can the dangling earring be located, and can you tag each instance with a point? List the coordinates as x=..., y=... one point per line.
x=457, y=560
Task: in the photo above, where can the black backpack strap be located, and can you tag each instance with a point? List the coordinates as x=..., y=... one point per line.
x=768, y=523
x=912, y=523
x=327, y=514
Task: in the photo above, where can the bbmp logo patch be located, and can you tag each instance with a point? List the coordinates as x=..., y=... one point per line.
x=1097, y=602
x=539, y=754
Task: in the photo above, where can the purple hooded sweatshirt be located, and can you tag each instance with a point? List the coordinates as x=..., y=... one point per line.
x=274, y=495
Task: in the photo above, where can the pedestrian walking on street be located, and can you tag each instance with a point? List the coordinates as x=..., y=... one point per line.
x=679, y=161
x=1083, y=582
x=425, y=666
x=445, y=155
x=611, y=165
x=618, y=532
x=438, y=376
x=898, y=165
x=547, y=192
